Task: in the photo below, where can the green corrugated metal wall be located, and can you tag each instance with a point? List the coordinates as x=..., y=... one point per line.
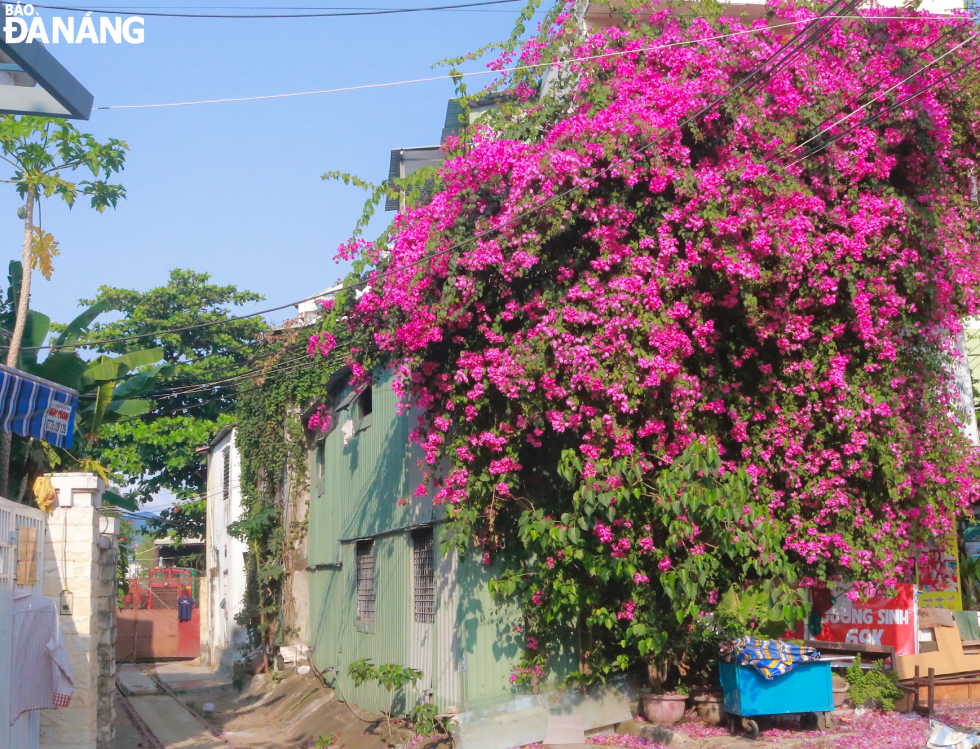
x=356, y=496
x=337, y=642
x=363, y=480
x=489, y=645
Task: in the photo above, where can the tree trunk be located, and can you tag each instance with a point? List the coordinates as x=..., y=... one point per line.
x=13, y=353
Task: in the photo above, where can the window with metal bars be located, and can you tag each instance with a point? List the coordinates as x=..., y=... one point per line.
x=226, y=474
x=365, y=581
x=425, y=583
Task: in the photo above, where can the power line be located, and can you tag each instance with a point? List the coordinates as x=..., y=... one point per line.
x=868, y=89
x=203, y=386
x=872, y=118
x=273, y=374
x=801, y=39
x=330, y=14
x=133, y=10
x=878, y=96
x=605, y=170
x=517, y=68
x=184, y=329
x=171, y=390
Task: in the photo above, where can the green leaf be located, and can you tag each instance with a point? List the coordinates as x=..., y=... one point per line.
x=136, y=359
x=80, y=324
x=117, y=500
x=130, y=407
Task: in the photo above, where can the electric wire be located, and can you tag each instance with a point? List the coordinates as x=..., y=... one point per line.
x=878, y=115
x=871, y=87
x=372, y=277
x=517, y=68
x=241, y=16
x=807, y=40
x=258, y=371
x=168, y=391
x=271, y=374
x=802, y=38
x=377, y=276
x=196, y=326
x=888, y=91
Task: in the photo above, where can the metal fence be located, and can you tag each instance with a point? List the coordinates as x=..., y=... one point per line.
x=18, y=523
x=160, y=592
x=148, y=622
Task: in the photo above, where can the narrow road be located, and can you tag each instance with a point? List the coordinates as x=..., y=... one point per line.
x=150, y=716
x=158, y=721
x=173, y=725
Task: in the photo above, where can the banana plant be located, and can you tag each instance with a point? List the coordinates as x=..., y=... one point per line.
x=110, y=387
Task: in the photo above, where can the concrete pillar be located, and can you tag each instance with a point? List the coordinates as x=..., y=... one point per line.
x=80, y=557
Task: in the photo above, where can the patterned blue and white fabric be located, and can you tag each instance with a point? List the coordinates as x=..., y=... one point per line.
x=771, y=657
x=32, y=407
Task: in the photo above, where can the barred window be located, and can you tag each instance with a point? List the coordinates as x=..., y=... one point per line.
x=424, y=558
x=226, y=474
x=365, y=581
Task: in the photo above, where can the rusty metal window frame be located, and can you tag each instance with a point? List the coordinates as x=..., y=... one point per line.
x=366, y=584
x=424, y=567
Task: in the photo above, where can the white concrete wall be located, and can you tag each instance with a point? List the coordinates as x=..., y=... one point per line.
x=80, y=555
x=225, y=558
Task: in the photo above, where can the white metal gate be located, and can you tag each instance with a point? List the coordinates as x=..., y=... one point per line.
x=25, y=733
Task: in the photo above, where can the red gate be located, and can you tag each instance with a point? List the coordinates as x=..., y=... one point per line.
x=148, y=626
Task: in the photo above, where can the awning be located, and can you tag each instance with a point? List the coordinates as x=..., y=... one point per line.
x=351, y=397
x=32, y=407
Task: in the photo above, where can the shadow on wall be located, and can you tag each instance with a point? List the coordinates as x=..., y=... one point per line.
x=490, y=645
x=389, y=464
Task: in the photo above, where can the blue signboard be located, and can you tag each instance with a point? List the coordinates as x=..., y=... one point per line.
x=32, y=407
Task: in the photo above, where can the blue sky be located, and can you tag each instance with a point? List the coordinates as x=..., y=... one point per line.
x=235, y=189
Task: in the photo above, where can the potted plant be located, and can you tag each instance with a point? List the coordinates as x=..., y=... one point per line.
x=665, y=708
x=710, y=706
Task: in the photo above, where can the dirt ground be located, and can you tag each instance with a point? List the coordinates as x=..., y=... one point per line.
x=295, y=711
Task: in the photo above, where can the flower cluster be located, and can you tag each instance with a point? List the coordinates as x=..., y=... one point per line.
x=320, y=420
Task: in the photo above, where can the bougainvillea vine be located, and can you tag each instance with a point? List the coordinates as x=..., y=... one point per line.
x=663, y=356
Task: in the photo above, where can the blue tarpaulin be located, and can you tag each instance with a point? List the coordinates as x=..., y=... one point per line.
x=32, y=407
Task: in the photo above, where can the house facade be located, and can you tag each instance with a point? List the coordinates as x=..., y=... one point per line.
x=221, y=635
x=379, y=585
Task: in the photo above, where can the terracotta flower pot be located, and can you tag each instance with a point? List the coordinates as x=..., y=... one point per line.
x=840, y=687
x=663, y=709
x=710, y=707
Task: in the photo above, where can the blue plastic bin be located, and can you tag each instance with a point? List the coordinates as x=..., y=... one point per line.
x=806, y=689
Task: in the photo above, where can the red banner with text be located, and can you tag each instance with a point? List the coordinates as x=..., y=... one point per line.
x=878, y=621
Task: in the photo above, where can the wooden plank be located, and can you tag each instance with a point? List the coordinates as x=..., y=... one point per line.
x=947, y=659
x=26, y=555
x=851, y=647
